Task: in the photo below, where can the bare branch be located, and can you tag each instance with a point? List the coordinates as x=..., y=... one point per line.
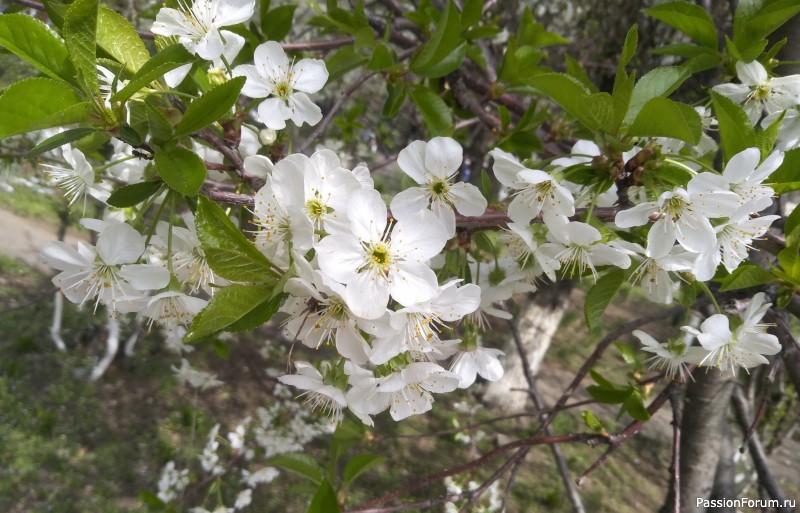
x=765, y=477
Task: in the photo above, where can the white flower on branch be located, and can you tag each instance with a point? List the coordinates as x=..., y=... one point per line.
x=681, y=215
x=107, y=273
x=434, y=165
x=197, y=25
x=324, y=397
x=535, y=192
x=77, y=179
x=577, y=246
x=758, y=92
x=376, y=260
x=285, y=84
x=743, y=346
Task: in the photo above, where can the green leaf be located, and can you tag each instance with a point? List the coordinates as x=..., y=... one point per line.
x=31, y=40
x=790, y=262
x=183, y=170
x=792, y=222
x=132, y=195
x=394, y=100
x=576, y=70
x=447, y=65
x=691, y=19
x=382, y=58
x=787, y=171
x=593, y=422
x=781, y=188
x=735, y=131
x=746, y=276
x=486, y=185
x=599, y=296
x=765, y=139
x=629, y=48
x=661, y=117
x=278, y=22
x=229, y=253
x=210, y=107
x=635, y=407
x=117, y=36
x=159, y=126
x=260, y=314
x=80, y=33
x=658, y=82
x=359, y=464
x=36, y=103
x=166, y=60
x=623, y=91
x=754, y=20
x=228, y=306
x=609, y=395
x=443, y=41
x=299, y=463
x=324, y=500
x=597, y=112
x=471, y=13
x=60, y=139
x=563, y=89
x=627, y=352
x=345, y=59
x=434, y=111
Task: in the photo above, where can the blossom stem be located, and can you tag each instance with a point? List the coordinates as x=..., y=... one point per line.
x=152, y=229
x=694, y=161
x=114, y=163
x=682, y=166
x=710, y=295
x=173, y=93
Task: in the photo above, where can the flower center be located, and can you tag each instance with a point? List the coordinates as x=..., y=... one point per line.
x=380, y=256
x=317, y=209
x=675, y=207
x=440, y=187
x=761, y=92
x=283, y=90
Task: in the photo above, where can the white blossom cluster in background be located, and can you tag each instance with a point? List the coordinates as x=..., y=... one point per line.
x=368, y=275
x=490, y=502
x=237, y=460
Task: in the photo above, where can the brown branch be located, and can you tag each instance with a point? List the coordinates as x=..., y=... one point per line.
x=674, y=401
x=538, y=403
x=317, y=45
x=616, y=441
x=470, y=427
x=587, y=438
x=765, y=477
x=598, y=351
x=762, y=408
x=466, y=100
x=336, y=106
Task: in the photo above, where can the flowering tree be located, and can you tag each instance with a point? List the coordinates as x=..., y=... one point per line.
x=222, y=210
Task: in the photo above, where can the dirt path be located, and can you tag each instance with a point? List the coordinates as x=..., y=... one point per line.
x=24, y=238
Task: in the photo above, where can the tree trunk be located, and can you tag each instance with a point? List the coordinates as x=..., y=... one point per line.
x=702, y=433
x=540, y=316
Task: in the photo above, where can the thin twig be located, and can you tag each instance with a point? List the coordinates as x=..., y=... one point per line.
x=317, y=45
x=765, y=476
x=336, y=106
x=598, y=351
x=765, y=401
x=674, y=401
x=470, y=427
x=538, y=403
x=615, y=442
x=587, y=438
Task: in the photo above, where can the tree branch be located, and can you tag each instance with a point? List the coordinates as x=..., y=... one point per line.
x=765, y=477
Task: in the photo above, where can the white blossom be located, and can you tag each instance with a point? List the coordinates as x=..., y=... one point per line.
x=434, y=165
x=758, y=92
x=376, y=260
x=284, y=84
x=197, y=25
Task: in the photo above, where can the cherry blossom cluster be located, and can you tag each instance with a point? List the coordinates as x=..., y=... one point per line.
x=368, y=275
